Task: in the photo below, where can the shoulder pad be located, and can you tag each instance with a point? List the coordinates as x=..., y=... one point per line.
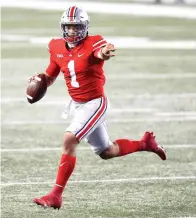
x=52, y=43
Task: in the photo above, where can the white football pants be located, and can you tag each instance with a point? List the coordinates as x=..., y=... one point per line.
x=89, y=122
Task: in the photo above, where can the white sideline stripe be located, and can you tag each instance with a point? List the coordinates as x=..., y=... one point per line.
x=59, y=101
x=134, y=120
x=152, y=76
x=125, y=58
x=111, y=8
x=137, y=110
x=139, y=76
x=131, y=110
x=151, y=57
x=18, y=150
x=130, y=43
x=153, y=111
x=177, y=113
x=110, y=181
x=156, y=96
x=119, y=41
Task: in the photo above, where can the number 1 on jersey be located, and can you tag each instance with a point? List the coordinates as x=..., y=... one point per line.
x=74, y=82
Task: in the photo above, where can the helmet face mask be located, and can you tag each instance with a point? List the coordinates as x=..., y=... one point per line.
x=73, y=33
x=74, y=25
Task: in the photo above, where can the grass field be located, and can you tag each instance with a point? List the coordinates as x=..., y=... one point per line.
x=148, y=89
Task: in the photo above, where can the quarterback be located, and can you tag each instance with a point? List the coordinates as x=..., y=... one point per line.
x=80, y=57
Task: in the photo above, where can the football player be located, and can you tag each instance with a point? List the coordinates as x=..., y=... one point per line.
x=80, y=57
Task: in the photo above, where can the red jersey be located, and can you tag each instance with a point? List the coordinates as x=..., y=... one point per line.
x=83, y=72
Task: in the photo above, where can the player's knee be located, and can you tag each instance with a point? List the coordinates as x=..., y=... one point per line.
x=107, y=154
x=69, y=143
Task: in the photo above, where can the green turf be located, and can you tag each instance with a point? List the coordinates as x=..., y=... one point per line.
x=27, y=50
x=148, y=198
x=46, y=23
x=97, y=169
x=51, y=135
x=107, y=203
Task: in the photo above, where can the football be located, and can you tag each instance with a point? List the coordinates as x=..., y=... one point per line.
x=36, y=88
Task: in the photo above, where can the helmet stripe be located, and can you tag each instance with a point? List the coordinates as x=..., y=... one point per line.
x=72, y=12
x=68, y=11
x=76, y=11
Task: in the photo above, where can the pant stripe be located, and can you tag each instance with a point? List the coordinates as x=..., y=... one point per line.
x=95, y=122
x=90, y=118
x=93, y=119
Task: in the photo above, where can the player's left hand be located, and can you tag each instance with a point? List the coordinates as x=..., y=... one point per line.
x=108, y=49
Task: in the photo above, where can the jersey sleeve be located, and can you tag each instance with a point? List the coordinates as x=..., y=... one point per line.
x=53, y=69
x=98, y=42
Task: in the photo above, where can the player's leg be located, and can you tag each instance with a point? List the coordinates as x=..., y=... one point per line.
x=66, y=167
x=100, y=143
x=87, y=117
x=99, y=140
x=122, y=147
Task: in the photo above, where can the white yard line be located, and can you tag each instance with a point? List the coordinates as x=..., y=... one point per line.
x=134, y=43
x=162, y=96
x=38, y=149
x=24, y=150
x=62, y=101
x=121, y=57
x=149, y=76
x=111, y=8
x=183, y=146
x=131, y=110
x=147, y=58
x=138, y=76
x=153, y=111
x=108, y=181
x=123, y=120
x=176, y=113
x=118, y=41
